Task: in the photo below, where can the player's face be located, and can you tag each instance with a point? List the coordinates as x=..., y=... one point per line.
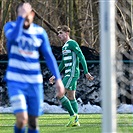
x=29, y=19
x=62, y=35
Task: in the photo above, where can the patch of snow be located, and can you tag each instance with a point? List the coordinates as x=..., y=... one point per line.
x=88, y=108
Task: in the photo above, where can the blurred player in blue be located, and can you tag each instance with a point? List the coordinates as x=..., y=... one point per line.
x=25, y=40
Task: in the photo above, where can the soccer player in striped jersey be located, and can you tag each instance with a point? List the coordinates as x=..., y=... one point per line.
x=71, y=55
x=25, y=40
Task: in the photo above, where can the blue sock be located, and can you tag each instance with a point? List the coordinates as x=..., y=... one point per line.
x=33, y=131
x=19, y=130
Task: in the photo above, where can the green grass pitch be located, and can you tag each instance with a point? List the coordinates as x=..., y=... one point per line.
x=55, y=123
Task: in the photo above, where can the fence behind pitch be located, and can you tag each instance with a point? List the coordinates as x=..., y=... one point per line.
x=91, y=121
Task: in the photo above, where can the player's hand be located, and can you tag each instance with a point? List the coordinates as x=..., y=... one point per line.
x=89, y=77
x=51, y=80
x=60, y=90
x=24, y=10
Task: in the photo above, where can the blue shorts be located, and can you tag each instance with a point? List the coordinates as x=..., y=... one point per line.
x=26, y=97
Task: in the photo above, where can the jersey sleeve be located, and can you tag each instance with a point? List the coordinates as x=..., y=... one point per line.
x=45, y=49
x=13, y=30
x=75, y=47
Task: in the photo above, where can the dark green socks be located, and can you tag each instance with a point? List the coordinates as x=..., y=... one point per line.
x=67, y=105
x=74, y=105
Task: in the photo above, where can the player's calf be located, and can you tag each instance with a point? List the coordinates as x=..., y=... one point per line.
x=33, y=122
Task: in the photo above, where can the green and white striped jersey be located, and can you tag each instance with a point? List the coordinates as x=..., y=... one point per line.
x=71, y=55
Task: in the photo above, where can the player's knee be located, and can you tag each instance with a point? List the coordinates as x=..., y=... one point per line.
x=59, y=95
x=71, y=97
x=22, y=121
x=33, y=122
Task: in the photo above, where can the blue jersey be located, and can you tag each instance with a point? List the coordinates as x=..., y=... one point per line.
x=23, y=46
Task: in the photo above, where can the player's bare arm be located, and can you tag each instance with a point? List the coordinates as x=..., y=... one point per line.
x=60, y=90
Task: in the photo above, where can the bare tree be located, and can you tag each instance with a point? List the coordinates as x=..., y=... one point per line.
x=81, y=15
